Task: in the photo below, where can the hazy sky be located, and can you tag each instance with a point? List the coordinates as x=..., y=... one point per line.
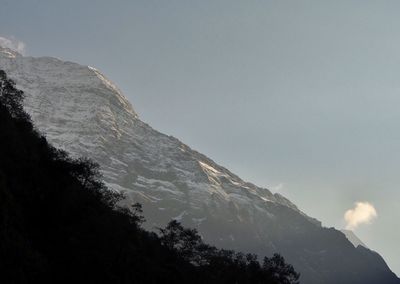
x=302, y=97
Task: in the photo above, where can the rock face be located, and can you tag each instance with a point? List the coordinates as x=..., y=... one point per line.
x=81, y=111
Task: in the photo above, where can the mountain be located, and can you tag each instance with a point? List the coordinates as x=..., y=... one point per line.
x=353, y=238
x=60, y=224
x=81, y=111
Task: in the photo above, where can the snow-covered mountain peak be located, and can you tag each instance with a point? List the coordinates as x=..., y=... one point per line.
x=9, y=53
x=54, y=83
x=83, y=112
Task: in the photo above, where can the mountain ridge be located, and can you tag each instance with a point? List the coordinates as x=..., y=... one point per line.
x=83, y=112
x=351, y=236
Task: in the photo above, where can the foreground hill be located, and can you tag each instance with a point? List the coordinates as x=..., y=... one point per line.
x=81, y=111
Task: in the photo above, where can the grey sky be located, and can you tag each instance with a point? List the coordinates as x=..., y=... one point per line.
x=302, y=97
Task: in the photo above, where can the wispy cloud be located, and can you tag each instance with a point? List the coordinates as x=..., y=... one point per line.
x=277, y=188
x=13, y=44
x=362, y=213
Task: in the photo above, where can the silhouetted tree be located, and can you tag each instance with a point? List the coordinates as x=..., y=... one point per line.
x=228, y=266
x=280, y=270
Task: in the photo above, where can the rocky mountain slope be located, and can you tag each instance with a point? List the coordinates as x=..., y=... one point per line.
x=353, y=238
x=83, y=112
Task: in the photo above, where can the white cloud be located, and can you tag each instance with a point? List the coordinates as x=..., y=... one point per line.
x=13, y=44
x=362, y=213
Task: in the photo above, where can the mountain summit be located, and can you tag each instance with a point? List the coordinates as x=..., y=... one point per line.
x=84, y=113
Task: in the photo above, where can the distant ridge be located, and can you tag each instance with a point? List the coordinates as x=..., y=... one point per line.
x=353, y=238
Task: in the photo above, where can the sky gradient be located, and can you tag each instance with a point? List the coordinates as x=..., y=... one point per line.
x=302, y=97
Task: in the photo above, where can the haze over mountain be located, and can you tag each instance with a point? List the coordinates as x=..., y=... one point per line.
x=83, y=112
